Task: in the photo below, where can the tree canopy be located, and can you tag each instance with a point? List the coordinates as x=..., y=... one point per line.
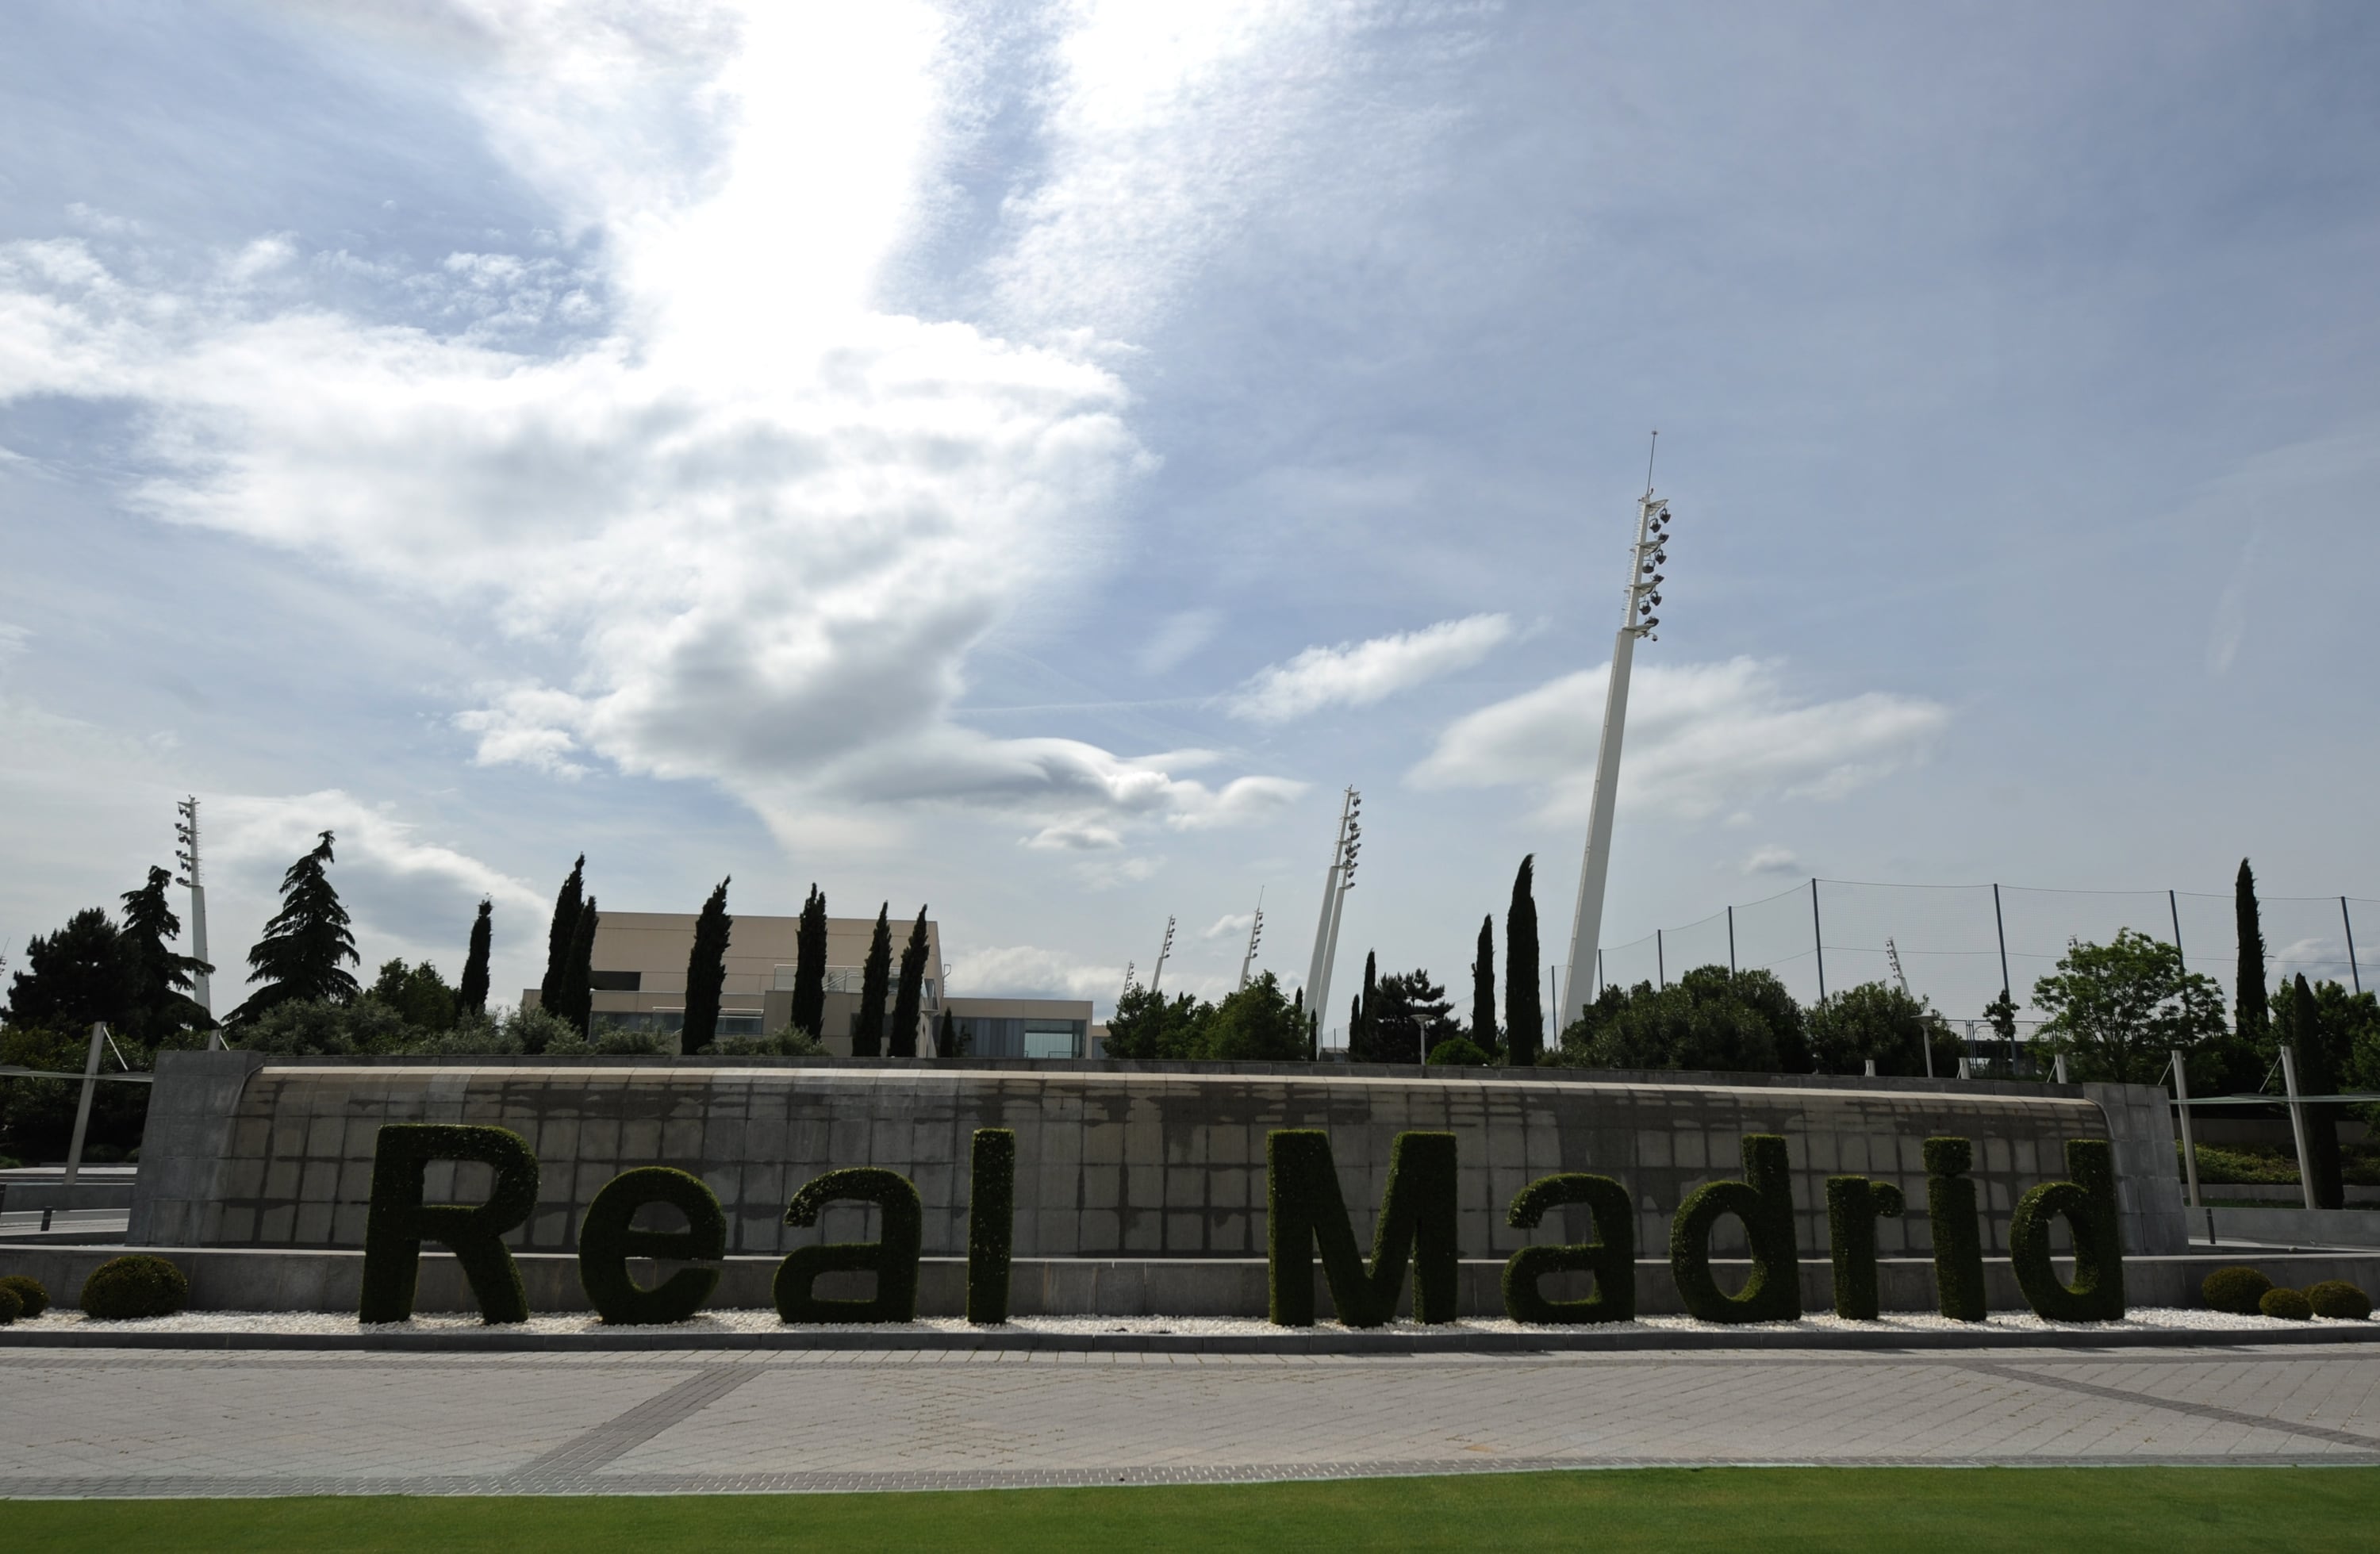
x=2117, y=1009
x=307, y=945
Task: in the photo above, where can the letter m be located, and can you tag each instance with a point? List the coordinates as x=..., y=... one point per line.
x=1305, y=1210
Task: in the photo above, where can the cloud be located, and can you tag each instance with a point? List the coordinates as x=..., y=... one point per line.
x=1701, y=739
x=1363, y=673
x=1773, y=859
x=1179, y=636
x=1231, y=925
x=1024, y=971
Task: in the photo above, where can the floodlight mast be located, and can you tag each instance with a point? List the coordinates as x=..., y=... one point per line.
x=1256, y=938
x=1156, y=973
x=1641, y=597
x=1336, y=882
x=187, y=830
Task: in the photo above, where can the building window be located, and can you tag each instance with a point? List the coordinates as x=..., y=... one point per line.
x=617, y=981
x=1053, y=1038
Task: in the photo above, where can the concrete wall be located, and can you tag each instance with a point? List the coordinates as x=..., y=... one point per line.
x=2300, y=1227
x=1114, y=1160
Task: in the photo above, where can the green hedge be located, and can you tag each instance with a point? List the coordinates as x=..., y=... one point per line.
x=605, y=1244
x=29, y=1292
x=991, y=1223
x=2236, y=1288
x=1305, y=1210
x=2334, y=1298
x=1958, y=1234
x=1610, y=1256
x=2088, y=1204
x=892, y=1257
x=11, y=1306
x=1764, y=1201
x=1852, y=1205
x=137, y=1285
x=2290, y=1305
x=399, y=1222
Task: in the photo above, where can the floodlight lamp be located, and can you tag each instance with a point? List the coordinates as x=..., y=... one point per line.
x=1652, y=621
x=1653, y=598
x=1662, y=556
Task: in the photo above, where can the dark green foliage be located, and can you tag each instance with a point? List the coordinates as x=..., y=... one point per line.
x=1257, y=1023
x=1710, y=1018
x=1958, y=1237
x=2236, y=1288
x=948, y=1043
x=1416, y=1220
x=2252, y=1015
x=157, y=981
x=1363, y=1044
x=1459, y=1052
x=2088, y=1204
x=1404, y=1017
x=875, y=983
x=1764, y=1201
x=908, y=997
x=1610, y=1256
x=399, y=1222
x=72, y=978
x=605, y=1244
x=123, y=1288
x=1879, y=1021
x=11, y=1306
x=1524, y=1013
x=706, y=972
x=2301, y=1027
x=2334, y=1298
x=1852, y=1205
x=417, y=994
x=2290, y=1305
x=809, y=965
x=893, y=1258
x=307, y=947
x=1147, y=1024
x=1485, y=1032
x=567, y=903
x=471, y=993
x=29, y=1292
x=2118, y=1010
x=577, y=1005
x=992, y=1222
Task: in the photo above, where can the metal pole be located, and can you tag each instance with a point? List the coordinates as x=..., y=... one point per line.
x=1552, y=984
x=2189, y=1141
x=2173, y=905
x=1598, y=974
x=1817, y=937
x=2000, y=923
x=2297, y=1123
x=1318, y=971
x=1731, y=942
x=82, y=1108
x=202, y=993
x=1660, y=961
x=2349, y=925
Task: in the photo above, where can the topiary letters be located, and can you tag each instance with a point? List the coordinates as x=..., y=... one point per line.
x=2088, y=1203
x=1852, y=1205
x=1951, y=1214
x=1305, y=1208
x=991, y=1219
x=399, y=1222
x=1764, y=1201
x=892, y=1257
x=1610, y=1256
x=605, y=1244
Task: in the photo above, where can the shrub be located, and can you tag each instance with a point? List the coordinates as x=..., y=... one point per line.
x=2290, y=1305
x=1958, y=1239
x=1764, y=1201
x=1610, y=1256
x=2235, y=1289
x=791, y=1041
x=991, y=1219
x=2333, y=1298
x=605, y=1244
x=398, y=1221
x=138, y=1286
x=11, y=1306
x=32, y=1296
x=2088, y=1204
x=1457, y=1051
x=617, y=1041
x=893, y=1258
x=1852, y=1205
x=1306, y=1210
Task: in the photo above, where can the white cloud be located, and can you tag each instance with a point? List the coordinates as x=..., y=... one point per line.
x=1701, y=739
x=1022, y=970
x=1773, y=859
x=1231, y=925
x=1357, y=675
x=1179, y=636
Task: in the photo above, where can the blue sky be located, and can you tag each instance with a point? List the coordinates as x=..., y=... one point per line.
x=1027, y=459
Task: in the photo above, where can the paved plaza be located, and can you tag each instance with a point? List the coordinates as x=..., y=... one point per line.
x=114, y=1423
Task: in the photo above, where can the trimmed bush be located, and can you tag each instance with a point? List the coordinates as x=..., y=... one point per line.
x=11, y=1306
x=1852, y=1205
x=1764, y=1201
x=138, y=1286
x=605, y=1244
x=893, y=1258
x=2290, y=1305
x=1459, y=1052
x=2088, y=1205
x=1958, y=1237
x=2235, y=1289
x=2334, y=1298
x=991, y=1223
x=399, y=1222
x=1305, y=1210
x=1610, y=1256
x=29, y=1293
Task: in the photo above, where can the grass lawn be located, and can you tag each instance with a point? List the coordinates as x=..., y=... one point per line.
x=1768, y=1509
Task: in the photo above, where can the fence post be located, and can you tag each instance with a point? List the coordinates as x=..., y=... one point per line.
x=1660, y=960
x=1731, y=941
x=2297, y=1123
x=2345, y=921
x=2000, y=924
x=1817, y=937
x=82, y=1108
x=2173, y=905
x=2189, y=1140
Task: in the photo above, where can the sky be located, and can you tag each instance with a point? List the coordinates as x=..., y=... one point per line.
x=1027, y=460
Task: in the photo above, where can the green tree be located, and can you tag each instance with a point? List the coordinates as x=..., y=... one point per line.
x=471, y=993
x=1147, y=1025
x=810, y=967
x=1255, y=1025
x=875, y=979
x=576, y=1006
x=417, y=995
x=1525, y=1017
x=1407, y=1016
x=1459, y=1052
x=2116, y=1009
x=1484, y=1032
x=948, y=1043
x=1709, y=1019
x=706, y=972
x=1880, y=1021
x=157, y=981
x=2253, y=1016
x=908, y=998
x=2321, y=1044
x=568, y=903
x=307, y=945
x=1361, y=1046
x=72, y=978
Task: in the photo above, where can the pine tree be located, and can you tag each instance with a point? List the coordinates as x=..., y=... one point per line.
x=1483, y=988
x=901, y=1041
x=157, y=982
x=72, y=978
x=867, y=1036
x=567, y=904
x=1525, y=1019
x=810, y=967
x=307, y=947
x=2252, y=1018
x=706, y=973
x=471, y=994
x=577, y=1005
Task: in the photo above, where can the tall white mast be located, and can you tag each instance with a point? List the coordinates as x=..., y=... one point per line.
x=187, y=830
x=1156, y=974
x=1636, y=619
x=1255, y=937
x=1336, y=882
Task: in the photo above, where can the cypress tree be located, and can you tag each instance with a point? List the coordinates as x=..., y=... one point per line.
x=1524, y=1020
x=706, y=972
x=2317, y=1075
x=1361, y=1018
x=876, y=974
x=567, y=903
x=810, y=967
x=1483, y=988
x=2253, y=1017
x=901, y=1041
x=307, y=946
x=578, y=972
x=471, y=993
x=946, y=1040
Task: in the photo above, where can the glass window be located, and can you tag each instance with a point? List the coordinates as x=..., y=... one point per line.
x=1053, y=1038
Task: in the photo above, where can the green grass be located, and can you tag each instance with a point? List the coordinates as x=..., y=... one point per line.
x=1770, y=1508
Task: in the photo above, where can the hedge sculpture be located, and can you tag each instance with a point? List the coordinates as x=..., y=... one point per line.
x=1958, y=1238
x=1610, y=1256
x=2236, y=1288
x=137, y=1285
x=1852, y=1205
x=29, y=1293
x=606, y=1243
x=2088, y=1204
x=2290, y=1305
x=1305, y=1210
x=1764, y=1201
x=893, y=1258
x=11, y=1306
x=991, y=1220
x=399, y=1222
x=2334, y=1298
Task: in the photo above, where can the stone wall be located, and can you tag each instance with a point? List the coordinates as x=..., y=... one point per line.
x=1113, y=1160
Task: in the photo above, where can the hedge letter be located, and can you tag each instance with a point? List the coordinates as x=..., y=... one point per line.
x=1852, y=1205
x=1764, y=1201
x=1610, y=1256
x=893, y=1260
x=605, y=1244
x=1303, y=1207
x=991, y=1220
x=399, y=1222
x=2088, y=1202
x=1958, y=1243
